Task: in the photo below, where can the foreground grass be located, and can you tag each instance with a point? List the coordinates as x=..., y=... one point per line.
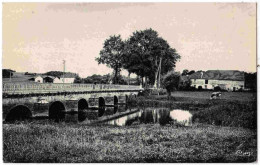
x=50, y=142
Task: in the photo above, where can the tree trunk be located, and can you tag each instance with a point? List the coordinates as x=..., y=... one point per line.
x=145, y=81
x=142, y=81
x=168, y=95
x=159, y=74
x=156, y=73
x=129, y=78
x=115, y=78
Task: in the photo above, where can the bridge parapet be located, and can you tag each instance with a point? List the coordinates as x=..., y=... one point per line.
x=28, y=88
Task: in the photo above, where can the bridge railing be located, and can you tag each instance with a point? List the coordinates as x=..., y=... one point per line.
x=24, y=88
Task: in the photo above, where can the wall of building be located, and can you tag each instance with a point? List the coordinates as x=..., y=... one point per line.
x=66, y=80
x=57, y=80
x=223, y=84
x=39, y=79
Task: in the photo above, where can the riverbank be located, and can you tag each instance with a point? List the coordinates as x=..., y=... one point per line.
x=235, y=109
x=61, y=142
x=224, y=130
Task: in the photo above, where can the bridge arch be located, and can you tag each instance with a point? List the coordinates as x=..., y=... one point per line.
x=101, y=106
x=115, y=104
x=56, y=111
x=82, y=106
x=19, y=112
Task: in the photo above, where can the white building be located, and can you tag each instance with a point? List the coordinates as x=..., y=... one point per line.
x=231, y=80
x=38, y=79
x=66, y=78
x=57, y=80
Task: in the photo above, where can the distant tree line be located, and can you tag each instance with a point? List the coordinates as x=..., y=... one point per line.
x=58, y=73
x=106, y=79
x=187, y=72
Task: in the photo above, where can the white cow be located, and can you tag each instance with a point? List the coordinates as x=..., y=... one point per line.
x=215, y=95
x=181, y=117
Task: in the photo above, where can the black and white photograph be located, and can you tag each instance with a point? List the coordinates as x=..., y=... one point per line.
x=129, y=82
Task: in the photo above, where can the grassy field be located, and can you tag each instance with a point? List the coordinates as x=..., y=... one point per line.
x=137, y=143
x=224, y=132
x=238, y=96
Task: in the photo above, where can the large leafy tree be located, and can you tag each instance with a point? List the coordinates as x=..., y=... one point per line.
x=143, y=52
x=111, y=55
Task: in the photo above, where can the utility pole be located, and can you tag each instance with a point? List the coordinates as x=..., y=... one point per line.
x=10, y=75
x=159, y=74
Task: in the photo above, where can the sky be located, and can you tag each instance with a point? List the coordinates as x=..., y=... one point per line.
x=37, y=37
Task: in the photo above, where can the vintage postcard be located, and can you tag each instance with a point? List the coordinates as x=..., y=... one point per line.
x=129, y=82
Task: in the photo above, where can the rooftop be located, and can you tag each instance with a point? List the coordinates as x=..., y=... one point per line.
x=219, y=75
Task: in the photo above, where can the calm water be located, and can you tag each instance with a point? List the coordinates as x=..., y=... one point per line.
x=149, y=115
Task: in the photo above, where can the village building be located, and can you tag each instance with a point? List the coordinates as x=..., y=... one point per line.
x=66, y=78
x=48, y=79
x=57, y=80
x=38, y=79
x=230, y=80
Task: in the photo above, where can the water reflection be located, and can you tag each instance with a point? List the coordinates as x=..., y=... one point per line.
x=151, y=115
x=125, y=120
x=181, y=117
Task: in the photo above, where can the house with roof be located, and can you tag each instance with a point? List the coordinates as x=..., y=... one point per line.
x=42, y=79
x=230, y=80
x=38, y=79
x=48, y=79
x=66, y=78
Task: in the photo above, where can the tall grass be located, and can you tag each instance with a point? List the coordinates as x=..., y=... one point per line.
x=230, y=113
x=50, y=142
x=235, y=112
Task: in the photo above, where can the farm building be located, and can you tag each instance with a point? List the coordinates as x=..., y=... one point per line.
x=38, y=79
x=230, y=80
x=66, y=78
x=57, y=80
x=48, y=79
x=42, y=79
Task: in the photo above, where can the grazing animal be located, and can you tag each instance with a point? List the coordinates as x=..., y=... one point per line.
x=215, y=95
x=181, y=117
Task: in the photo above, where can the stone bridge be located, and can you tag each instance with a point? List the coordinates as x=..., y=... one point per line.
x=64, y=101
